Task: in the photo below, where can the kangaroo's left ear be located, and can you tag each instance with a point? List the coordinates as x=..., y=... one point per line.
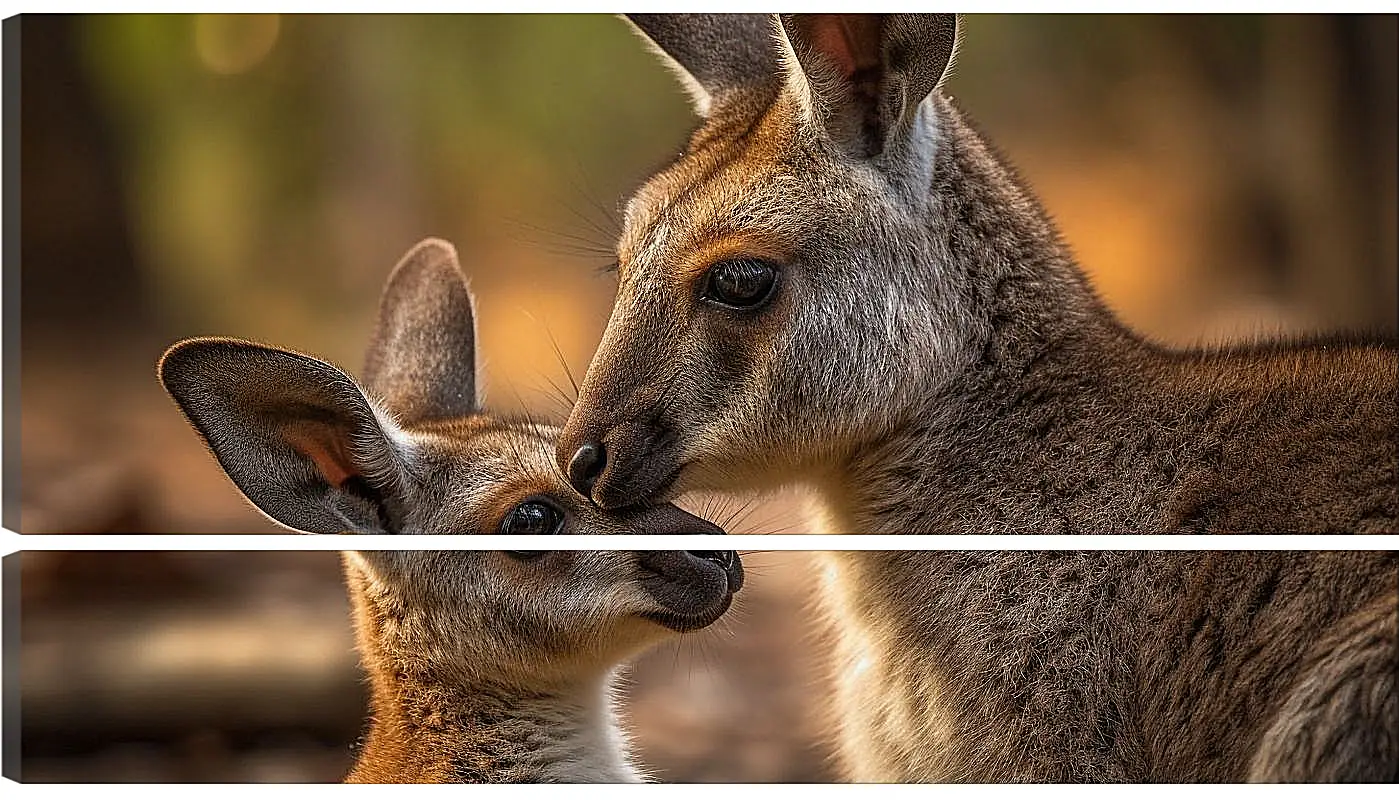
x=861, y=77
x=422, y=359
x=295, y=434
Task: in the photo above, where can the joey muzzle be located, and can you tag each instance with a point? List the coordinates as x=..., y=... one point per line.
x=693, y=587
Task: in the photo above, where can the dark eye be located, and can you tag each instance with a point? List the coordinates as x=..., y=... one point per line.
x=740, y=282
x=532, y=518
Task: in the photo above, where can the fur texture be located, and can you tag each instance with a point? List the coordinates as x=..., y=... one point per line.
x=1102, y=666
x=488, y=668
x=933, y=361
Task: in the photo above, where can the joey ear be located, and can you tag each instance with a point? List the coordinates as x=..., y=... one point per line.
x=714, y=54
x=861, y=77
x=422, y=359
x=294, y=433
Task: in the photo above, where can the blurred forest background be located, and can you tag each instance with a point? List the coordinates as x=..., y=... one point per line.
x=258, y=176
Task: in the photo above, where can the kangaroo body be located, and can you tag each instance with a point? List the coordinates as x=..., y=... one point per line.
x=483, y=666
x=839, y=284
x=935, y=362
x=1098, y=666
x=498, y=667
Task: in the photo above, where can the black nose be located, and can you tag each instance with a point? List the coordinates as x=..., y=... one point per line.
x=586, y=465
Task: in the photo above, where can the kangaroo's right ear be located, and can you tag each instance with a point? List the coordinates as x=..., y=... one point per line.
x=422, y=359
x=714, y=54
x=295, y=434
x=862, y=77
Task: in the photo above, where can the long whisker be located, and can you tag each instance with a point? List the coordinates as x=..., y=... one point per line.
x=557, y=242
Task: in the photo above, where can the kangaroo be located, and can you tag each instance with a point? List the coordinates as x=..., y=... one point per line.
x=483, y=666
x=839, y=284
x=1115, y=666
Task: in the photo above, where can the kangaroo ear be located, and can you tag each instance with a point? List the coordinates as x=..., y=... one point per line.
x=422, y=359
x=713, y=54
x=862, y=76
x=295, y=434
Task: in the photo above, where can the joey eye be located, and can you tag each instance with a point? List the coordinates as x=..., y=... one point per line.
x=532, y=518
x=743, y=283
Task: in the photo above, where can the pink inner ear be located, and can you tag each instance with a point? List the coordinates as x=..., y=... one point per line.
x=326, y=450
x=850, y=41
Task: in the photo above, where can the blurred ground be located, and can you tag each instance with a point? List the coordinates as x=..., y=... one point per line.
x=239, y=667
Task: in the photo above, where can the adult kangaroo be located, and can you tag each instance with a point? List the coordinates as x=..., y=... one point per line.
x=839, y=284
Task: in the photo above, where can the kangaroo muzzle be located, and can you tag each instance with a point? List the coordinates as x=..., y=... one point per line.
x=692, y=587
x=669, y=520
x=635, y=463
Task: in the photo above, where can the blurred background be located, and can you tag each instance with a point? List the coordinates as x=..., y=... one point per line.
x=233, y=667
x=257, y=176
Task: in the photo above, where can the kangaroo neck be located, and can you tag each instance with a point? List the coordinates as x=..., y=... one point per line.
x=1024, y=299
x=431, y=724
x=1030, y=328
x=426, y=733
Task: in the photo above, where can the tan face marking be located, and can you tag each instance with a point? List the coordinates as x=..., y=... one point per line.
x=493, y=466
x=722, y=189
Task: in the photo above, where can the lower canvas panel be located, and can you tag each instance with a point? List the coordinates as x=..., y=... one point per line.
x=241, y=666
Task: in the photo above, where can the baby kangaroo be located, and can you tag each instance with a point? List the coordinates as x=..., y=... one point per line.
x=840, y=284
x=484, y=666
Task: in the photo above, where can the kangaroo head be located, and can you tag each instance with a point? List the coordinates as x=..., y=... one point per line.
x=532, y=618
x=410, y=451
x=776, y=281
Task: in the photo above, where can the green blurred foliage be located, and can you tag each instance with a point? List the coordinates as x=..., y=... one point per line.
x=248, y=190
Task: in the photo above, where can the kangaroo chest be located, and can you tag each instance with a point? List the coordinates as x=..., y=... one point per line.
x=970, y=667
x=891, y=723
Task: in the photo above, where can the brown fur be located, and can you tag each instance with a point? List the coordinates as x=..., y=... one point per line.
x=1101, y=666
x=485, y=668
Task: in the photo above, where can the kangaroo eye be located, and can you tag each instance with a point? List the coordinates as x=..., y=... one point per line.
x=532, y=518
x=741, y=282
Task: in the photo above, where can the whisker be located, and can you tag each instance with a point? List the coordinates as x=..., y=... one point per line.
x=557, y=242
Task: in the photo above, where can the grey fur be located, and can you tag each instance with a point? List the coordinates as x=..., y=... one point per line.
x=861, y=105
x=1102, y=666
x=715, y=55
x=934, y=361
x=422, y=360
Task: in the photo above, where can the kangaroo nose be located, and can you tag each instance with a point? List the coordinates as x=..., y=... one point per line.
x=586, y=465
